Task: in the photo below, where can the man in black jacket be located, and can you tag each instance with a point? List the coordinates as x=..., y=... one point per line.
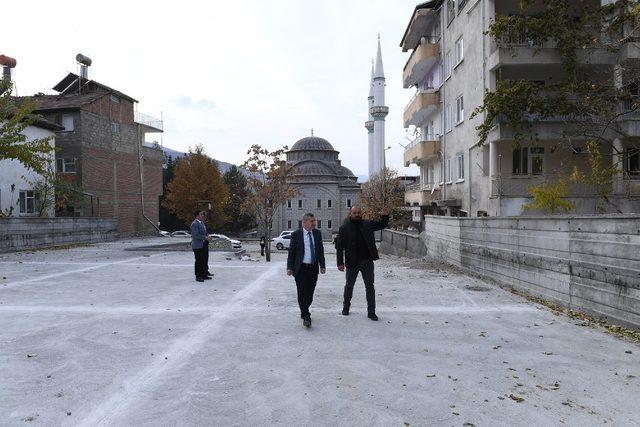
x=357, y=250
x=306, y=256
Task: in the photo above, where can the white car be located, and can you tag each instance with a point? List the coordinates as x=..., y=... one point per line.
x=163, y=233
x=236, y=244
x=285, y=233
x=181, y=233
x=282, y=242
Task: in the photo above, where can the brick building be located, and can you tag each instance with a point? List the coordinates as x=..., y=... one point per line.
x=102, y=150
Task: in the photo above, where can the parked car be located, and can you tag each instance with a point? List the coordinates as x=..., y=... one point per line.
x=282, y=242
x=163, y=233
x=236, y=244
x=181, y=233
x=285, y=233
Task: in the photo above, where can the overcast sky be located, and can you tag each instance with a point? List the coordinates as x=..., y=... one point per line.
x=227, y=74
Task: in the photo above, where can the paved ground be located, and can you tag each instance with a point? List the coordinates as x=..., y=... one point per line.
x=98, y=335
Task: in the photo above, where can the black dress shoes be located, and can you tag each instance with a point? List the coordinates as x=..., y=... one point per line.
x=199, y=279
x=373, y=316
x=207, y=277
x=345, y=311
x=306, y=322
x=209, y=274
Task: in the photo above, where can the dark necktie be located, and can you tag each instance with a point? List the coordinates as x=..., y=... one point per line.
x=313, y=252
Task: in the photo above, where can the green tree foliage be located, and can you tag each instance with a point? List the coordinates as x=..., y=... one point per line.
x=237, y=219
x=197, y=184
x=550, y=197
x=35, y=154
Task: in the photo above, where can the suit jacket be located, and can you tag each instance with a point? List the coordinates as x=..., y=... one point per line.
x=347, y=252
x=297, y=248
x=198, y=234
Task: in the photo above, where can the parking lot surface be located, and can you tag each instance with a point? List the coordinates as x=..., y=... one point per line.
x=98, y=335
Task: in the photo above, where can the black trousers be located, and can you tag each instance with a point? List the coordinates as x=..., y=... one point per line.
x=306, y=280
x=366, y=268
x=201, y=261
x=261, y=249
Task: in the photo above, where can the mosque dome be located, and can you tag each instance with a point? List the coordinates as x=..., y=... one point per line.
x=312, y=143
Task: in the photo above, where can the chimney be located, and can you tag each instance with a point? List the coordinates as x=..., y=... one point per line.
x=85, y=63
x=7, y=64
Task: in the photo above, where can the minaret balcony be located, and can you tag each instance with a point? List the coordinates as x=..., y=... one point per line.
x=379, y=111
x=419, y=108
x=422, y=149
x=422, y=59
x=369, y=124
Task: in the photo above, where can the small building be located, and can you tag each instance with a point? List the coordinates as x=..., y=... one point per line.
x=101, y=148
x=17, y=194
x=324, y=187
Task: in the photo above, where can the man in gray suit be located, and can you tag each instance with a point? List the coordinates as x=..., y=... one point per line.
x=200, y=245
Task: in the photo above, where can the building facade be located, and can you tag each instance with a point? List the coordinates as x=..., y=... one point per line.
x=324, y=187
x=101, y=150
x=453, y=61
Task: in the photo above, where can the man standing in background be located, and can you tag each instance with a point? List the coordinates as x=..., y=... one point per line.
x=357, y=250
x=200, y=245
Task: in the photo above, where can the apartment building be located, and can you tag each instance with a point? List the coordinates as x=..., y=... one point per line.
x=452, y=62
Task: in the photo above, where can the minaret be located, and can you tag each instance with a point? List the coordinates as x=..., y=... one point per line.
x=369, y=124
x=379, y=111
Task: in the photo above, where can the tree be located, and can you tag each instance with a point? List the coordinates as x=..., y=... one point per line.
x=197, y=184
x=168, y=220
x=35, y=154
x=383, y=189
x=591, y=101
x=550, y=196
x=237, y=219
x=268, y=186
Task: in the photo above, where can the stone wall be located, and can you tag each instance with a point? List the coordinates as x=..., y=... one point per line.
x=587, y=263
x=402, y=244
x=35, y=233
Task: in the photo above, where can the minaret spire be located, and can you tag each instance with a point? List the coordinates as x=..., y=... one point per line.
x=378, y=111
x=379, y=68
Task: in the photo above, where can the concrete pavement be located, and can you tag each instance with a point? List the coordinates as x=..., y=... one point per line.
x=102, y=336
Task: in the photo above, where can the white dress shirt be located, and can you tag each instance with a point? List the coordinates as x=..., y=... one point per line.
x=306, y=259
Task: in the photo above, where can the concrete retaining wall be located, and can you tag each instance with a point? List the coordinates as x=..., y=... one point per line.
x=33, y=233
x=402, y=244
x=589, y=263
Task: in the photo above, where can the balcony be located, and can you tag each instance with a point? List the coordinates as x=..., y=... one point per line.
x=148, y=123
x=421, y=149
x=421, y=194
x=420, y=106
x=420, y=62
x=518, y=186
x=521, y=51
x=630, y=51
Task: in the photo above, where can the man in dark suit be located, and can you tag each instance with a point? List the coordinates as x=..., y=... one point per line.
x=306, y=257
x=200, y=245
x=357, y=250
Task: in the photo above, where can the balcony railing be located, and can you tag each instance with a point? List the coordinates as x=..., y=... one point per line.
x=424, y=101
x=422, y=194
x=148, y=121
x=422, y=138
x=514, y=186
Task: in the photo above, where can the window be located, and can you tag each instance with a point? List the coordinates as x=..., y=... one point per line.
x=289, y=205
x=460, y=159
x=447, y=118
x=632, y=162
x=319, y=222
x=451, y=10
x=459, y=50
x=459, y=110
x=299, y=224
x=329, y=224
x=461, y=4
x=319, y=204
x=115, y=127
x=67, y=122
x=289, y=224
x=28, y=201
x=348, y=203
x=447, y=65
x=528, y=160
x=447, y=170
x=66, y=165
x=329, y=204
x=299, y=203
x=115, y=98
